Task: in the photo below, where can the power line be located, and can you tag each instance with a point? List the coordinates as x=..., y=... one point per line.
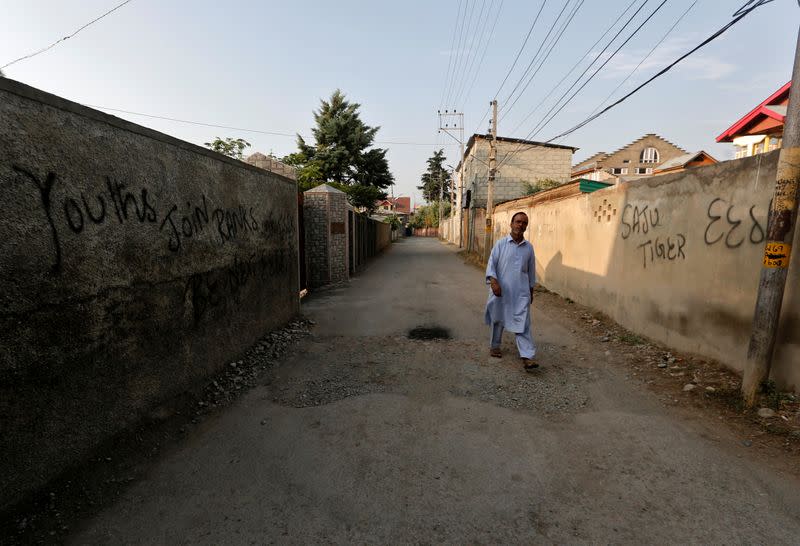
x=485, y=49
x=257, y=131
x=461, y=43
x=661, y=41
x=548, y=117
x=450, y=56
x=546, y=56
x=544, y=123
x=591, y=48
x=471, y=65
x=740, y=14
x=522, y=47
x=536, y=55
x=470, y=56
x=35, y=53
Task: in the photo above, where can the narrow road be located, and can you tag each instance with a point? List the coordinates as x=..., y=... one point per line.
x=363, y=435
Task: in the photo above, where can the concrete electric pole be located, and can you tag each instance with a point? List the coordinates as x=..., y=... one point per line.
x=453, y=122
x=487, y=240
x=780, y=234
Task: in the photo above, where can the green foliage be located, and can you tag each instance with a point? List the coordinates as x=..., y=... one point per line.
x=433, y=179
x=342, y=155
x=428, y=215
x=631, y=339
x=230, y=147
x=541, y=184
x=394, y=221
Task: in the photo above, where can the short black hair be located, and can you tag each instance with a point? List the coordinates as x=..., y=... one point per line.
x=515, y=215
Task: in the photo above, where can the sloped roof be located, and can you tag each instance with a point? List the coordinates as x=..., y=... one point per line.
x=642, y=138
x=599, y=156
x=683, y=160
x=323, y=188
x=769, y=108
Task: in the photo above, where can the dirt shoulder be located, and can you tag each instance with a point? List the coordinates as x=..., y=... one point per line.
x=697, y=387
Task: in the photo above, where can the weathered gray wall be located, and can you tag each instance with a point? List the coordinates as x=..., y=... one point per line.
x=133, y=266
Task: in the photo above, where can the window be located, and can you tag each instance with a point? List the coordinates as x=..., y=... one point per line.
x=619, y=170
x=644, y=170
x=626, y=160
x=741, y=151
x=774, y=144
x=758, y=148
x=649, y=155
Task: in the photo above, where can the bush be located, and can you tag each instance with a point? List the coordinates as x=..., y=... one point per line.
x=540, y=184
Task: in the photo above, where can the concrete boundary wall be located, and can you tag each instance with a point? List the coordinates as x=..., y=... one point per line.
x=676, y=258
x=134, y=266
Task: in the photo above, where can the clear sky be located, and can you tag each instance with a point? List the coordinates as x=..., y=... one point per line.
x=266, y=65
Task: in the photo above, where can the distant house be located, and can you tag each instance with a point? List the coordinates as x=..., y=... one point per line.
x=519, y=163
x=400, y=206
x=761, y=130
x=686, y=161
x=639, y=158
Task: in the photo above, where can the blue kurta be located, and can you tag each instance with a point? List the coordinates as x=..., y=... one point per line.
x=514, y=267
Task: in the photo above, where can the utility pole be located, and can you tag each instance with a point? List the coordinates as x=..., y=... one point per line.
x=780, y=233
x=449, y=123
x=440, y=231
x=487, y=240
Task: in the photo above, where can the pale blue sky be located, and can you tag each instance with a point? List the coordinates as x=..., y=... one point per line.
x=266, y=65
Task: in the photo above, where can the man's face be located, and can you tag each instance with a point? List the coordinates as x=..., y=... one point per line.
x=519, y=224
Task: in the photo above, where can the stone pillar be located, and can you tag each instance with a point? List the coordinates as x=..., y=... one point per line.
x=325, y=214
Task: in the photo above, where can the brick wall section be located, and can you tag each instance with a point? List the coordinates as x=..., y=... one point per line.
x=325, y=214
x=525, y=163
x=337, y=242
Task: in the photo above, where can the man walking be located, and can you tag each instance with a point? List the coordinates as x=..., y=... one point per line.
x=511, y=275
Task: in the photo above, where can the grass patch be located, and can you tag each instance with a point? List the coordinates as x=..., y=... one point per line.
x=632, y=339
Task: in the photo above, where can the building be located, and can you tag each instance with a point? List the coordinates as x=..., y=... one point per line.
x=519, y=164
x=686, y=161
x=761, y=130
x=639, y=158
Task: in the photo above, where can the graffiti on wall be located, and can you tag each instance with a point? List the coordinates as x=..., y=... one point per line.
x=727, y=224
x=219, y=288
x=116, y=202
x=646, y=221
x=732, y=226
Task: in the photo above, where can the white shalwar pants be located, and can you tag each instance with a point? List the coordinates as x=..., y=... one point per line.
x=525, y=344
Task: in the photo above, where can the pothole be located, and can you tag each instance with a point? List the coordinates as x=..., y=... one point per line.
x=429, y=332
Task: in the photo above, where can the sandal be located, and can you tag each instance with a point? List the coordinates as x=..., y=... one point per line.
x=496, y=352
x=529, y=364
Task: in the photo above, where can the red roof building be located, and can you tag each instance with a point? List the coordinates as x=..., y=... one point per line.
x=761, y=130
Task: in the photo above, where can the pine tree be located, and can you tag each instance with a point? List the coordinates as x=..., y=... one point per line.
x=434, y=177
x=342, y=154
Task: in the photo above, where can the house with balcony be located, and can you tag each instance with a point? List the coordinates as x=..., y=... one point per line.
x=761, y=129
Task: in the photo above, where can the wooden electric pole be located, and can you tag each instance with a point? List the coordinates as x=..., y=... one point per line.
x=780, y=233
x=487, y=240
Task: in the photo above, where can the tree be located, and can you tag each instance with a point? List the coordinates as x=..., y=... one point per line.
x=434, y=178
x=230, y=147
x=428, y=215
x=342, y=154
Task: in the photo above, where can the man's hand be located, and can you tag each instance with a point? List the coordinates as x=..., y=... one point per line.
x=495, y=286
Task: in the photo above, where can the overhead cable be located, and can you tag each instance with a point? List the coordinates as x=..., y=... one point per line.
x=603, y=34
x=740, y=14
x=35, y=53
x=257, y=131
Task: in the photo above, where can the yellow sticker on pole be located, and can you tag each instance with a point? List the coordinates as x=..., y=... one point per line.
x=488, y=225
x=776, y=255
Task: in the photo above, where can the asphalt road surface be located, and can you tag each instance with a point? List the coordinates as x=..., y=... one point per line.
x=362, y=435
